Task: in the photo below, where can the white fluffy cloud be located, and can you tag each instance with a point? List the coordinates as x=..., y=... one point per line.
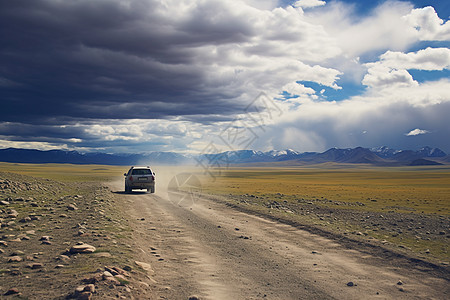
x=297, y=89
x=394, y=25
x=309, y=3
x=379, y=117
x=391, y=69
x=427, y=24
x=427, y=59
x=417, y=131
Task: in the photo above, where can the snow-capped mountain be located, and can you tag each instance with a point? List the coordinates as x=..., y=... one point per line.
x=431, y=152
x=378, y=156
x=384, y=151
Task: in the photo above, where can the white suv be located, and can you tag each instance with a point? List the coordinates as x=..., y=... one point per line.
x=139, y=178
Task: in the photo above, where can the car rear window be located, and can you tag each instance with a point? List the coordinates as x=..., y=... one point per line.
x=141, y=172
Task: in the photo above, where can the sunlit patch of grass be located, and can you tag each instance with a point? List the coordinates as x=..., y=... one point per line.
x=123, y=281
x=415, y=190
x=307, y=196
x=66, y=172
x=436, y=248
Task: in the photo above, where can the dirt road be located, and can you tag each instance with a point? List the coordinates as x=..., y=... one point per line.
x=196, y=246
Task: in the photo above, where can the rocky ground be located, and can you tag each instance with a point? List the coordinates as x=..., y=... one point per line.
x=218, y=248
x=424, y=236
x=64, y=241
x=86, y=240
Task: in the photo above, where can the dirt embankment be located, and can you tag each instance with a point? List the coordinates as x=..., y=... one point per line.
x=64, y=240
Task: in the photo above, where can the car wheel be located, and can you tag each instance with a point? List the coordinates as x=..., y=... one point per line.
x=152, y=190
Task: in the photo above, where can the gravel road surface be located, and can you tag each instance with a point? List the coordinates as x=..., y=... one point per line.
x=194, y=246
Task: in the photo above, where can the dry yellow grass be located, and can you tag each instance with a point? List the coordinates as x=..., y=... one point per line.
x=407, y=189
x=66, y=172
x=407, y=207
x=420, y=189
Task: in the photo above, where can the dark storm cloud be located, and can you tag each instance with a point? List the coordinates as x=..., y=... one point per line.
x=27, y=131
x=109, y=59
x=151, y=74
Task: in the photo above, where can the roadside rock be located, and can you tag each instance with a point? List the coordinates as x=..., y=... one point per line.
x=12, y=213
x=107, y=274
x=63, y=258
x=84, y=292
x=147, y=267
x=112, y=280
x=71, y=207
x=82, y=248
x=25, y=220
x=46, y=240
x=102, y=254
x=35, y=266
x=14, y=259
x=117, y=271
x=12, y=291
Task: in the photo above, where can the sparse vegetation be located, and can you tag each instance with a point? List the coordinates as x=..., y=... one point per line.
x=47, y=209
x=405, y=207
x=402, y=208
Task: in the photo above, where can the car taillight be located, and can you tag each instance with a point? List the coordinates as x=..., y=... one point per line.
x=153, y=177
x=131, y=178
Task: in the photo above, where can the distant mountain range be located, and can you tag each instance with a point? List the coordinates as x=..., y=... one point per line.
x=382, y=156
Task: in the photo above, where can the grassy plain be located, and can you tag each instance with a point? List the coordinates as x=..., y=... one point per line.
x=68, y=204
x=407, y=208
x=66, y=172
x=412, y=190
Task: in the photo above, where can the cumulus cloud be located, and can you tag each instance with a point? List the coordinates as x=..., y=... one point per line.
x=308, y=3
x=391, y=68
x=43, y=146
x=427, y=24
x=297, y=89
x=416, y=131
x=383, y=76
x=386, y=114
x=393, y=25
x=427, y=59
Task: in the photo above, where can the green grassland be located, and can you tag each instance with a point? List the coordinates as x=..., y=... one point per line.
x=418, y=190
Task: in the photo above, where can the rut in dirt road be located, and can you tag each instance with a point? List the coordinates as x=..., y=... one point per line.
x=207, y=249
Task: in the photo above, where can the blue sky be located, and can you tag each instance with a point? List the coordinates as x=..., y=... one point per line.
x=194, y=75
